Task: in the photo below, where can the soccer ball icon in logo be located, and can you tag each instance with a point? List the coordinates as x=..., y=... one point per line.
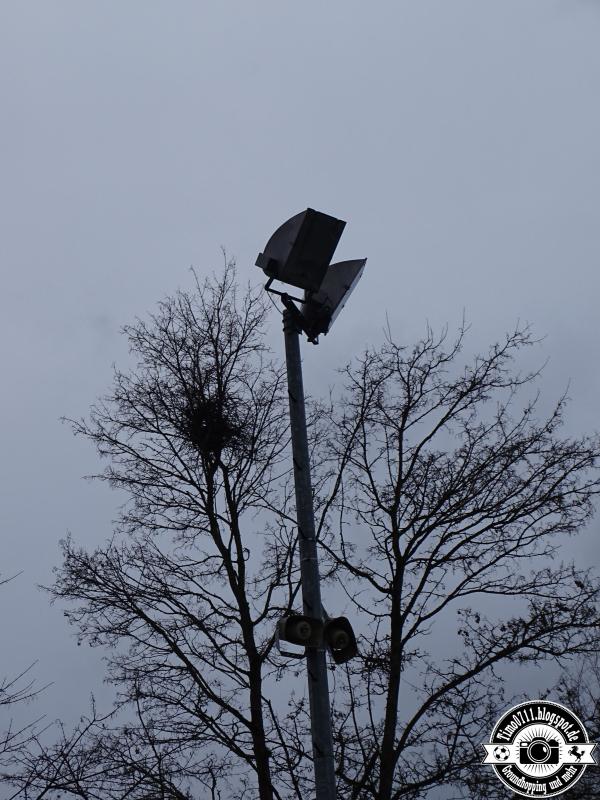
x=539, y=748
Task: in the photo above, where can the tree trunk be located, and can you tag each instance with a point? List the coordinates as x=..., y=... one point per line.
x=261, y=751
x=388, y=758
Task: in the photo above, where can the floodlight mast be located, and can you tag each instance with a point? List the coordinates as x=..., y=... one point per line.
x=316, y=665
x=299, y=254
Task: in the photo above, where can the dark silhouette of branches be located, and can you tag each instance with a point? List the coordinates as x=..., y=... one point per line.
x=186, y=594
x=445, y=504
x=451, y=502
x=16, y=690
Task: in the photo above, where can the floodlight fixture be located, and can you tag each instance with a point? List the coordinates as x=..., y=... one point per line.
x=320, y=309
x=299, y=254
x=299, y=251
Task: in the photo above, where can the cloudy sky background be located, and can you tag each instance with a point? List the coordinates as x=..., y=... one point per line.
x=460, y=140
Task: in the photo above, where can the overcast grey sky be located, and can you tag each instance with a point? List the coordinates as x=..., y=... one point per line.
x=460, y=140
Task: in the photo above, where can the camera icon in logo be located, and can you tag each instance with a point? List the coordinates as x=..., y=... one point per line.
x=539, y=751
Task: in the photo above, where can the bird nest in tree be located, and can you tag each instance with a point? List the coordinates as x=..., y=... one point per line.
x=209, y=426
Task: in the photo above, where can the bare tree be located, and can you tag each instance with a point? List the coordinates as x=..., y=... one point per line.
x=16, y=690
x=450, y=504
x=437, y=496
x=186, y=594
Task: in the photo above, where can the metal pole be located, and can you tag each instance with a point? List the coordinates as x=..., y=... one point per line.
x=316, y=665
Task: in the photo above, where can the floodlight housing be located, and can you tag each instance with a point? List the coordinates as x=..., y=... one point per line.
x=300, y=250
x=320, y=309
x=299, y=254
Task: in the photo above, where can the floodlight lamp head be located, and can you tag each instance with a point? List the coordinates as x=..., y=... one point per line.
x=300, y=250
x=321, y=308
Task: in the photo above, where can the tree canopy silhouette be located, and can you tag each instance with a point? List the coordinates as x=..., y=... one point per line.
x=444, y=504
